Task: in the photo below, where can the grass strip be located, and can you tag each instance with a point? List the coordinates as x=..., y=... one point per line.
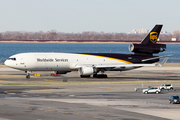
x=77, y=83
x=11, y=76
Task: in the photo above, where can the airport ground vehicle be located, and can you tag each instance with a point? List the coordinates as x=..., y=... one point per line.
x=166, y=87
x=174, y=99
x=152, y=90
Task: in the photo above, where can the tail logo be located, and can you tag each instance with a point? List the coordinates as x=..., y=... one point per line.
x=153, y=37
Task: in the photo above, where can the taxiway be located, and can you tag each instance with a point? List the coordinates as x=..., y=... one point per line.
x=114, y=98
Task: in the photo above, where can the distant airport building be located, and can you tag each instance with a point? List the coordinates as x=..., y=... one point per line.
x=173, y=39
x=144, y=31
x=164, y=32
x=139, y=31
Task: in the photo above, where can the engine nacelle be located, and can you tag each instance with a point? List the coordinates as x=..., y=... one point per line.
x=86, y=71
x=147, y=49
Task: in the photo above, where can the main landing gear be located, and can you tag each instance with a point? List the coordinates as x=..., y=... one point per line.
x=95, y=76
x=100, y=76
x=85, y=76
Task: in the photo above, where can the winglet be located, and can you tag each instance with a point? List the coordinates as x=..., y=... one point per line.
x=163, y=62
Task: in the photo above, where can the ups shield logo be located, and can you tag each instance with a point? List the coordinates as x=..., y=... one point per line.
x=153, y=37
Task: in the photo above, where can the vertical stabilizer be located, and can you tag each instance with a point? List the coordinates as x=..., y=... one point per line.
x=148, y=45
x=152, y=37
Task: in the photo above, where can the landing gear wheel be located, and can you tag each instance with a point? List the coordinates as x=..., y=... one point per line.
x=100, y=76
x=85, y=76
x=95, y=75
x=27, y=76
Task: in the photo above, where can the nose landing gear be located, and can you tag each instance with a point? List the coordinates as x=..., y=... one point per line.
x=27, y=74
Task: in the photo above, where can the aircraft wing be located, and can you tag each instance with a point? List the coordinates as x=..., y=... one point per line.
x=123, y=65
x=113, y=65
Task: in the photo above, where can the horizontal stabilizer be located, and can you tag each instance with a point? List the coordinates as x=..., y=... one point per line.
x=155, y=58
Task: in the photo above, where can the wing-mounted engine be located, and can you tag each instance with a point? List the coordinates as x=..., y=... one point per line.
x=85, y=71
x=147, y=48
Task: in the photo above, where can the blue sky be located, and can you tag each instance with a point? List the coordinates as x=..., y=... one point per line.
x=88, y=15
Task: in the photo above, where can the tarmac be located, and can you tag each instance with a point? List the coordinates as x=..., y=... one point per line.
x=69, y=97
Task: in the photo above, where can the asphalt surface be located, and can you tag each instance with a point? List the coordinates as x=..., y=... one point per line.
x=88, y=98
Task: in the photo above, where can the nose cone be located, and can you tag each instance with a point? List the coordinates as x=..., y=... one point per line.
x=6, y=63
x=10, y=63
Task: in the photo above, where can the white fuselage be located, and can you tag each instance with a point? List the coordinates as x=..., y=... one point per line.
x=59, y=61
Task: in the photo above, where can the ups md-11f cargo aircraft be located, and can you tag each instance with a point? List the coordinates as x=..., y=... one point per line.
x=88, y=64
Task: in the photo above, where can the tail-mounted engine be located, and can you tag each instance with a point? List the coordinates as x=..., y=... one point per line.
x=147, y=48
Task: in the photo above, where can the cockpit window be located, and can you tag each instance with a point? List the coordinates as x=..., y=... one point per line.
x=12, y=59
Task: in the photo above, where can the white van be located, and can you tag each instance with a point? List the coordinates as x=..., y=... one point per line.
x=166, y=87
